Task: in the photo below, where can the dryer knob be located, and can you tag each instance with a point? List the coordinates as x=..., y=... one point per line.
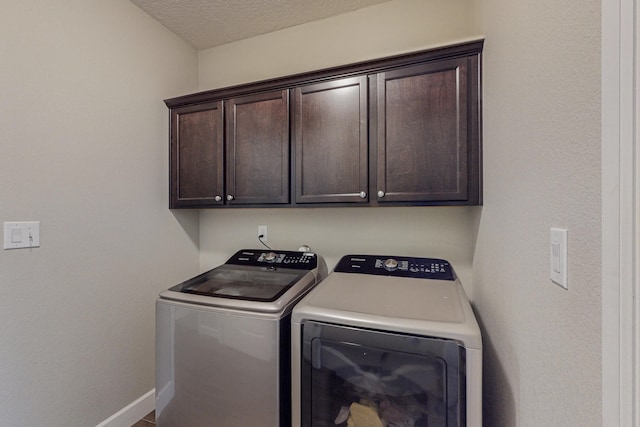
x=391, y=264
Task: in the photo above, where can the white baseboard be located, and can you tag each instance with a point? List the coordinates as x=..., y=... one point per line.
x=133, y=412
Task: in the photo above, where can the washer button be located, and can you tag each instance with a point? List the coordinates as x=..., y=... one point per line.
x=391, y=264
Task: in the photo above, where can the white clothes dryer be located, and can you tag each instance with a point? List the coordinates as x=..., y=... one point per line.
x=386, y=341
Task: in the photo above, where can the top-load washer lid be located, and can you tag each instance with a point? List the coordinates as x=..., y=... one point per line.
x=401, y=294
x=242, y=282
x=253, y=280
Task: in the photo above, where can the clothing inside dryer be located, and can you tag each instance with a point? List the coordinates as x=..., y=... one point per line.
x=404, y=384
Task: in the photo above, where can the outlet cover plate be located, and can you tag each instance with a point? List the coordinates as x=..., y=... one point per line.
x=262, y=231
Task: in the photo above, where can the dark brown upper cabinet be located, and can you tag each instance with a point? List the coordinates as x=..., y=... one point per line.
x=402, y=130
x=196, y=154
x=330, y=141
x=422, y=129
x=257, y=145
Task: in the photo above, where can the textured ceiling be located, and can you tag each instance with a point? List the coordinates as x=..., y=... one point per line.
x=208, y=23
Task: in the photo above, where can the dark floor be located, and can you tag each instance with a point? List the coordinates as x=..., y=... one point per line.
x=147, y=421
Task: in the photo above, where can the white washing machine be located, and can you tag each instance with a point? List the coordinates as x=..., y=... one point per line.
x=223, y=341
x=386, y=341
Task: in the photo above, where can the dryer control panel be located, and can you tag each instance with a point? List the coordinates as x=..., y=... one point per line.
x=396, y=266
x=281, y=259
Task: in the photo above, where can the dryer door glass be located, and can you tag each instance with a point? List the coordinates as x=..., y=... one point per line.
x=356, y=377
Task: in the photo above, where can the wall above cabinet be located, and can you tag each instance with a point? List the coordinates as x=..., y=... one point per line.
x=402, y=130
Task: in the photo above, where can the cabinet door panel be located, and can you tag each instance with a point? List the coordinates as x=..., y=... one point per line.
x=331, y=141
x=422, y=132
x=258, y=148
x=197, y=155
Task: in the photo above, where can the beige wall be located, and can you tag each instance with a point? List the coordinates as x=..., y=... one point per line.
x=84, y=150
x=387, y=29
x=440, y=232
x=541, y=170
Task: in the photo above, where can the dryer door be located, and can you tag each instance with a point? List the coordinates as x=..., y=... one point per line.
x=377, y=378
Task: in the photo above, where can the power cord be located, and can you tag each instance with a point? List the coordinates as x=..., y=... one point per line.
x=260, y=239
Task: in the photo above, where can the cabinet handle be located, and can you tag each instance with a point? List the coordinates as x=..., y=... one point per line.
x=363, y=194
x=217, y=198
x=230, y=197
x=381, y=194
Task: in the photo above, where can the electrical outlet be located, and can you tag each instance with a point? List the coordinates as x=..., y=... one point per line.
x=262, y=231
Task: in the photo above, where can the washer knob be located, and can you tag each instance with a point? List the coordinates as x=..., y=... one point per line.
x=270, y=256
x=391, y=264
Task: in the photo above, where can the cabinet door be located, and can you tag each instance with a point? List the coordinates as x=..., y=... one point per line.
x=330, y=121
x=197, y=156
x=422, y=138
x=258, y=149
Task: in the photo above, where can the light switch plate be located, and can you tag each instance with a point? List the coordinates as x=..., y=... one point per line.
x=21, y=234
x=558, y=261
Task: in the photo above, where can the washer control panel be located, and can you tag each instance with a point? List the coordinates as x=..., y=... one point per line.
x=271, y=258
x=396, y=266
